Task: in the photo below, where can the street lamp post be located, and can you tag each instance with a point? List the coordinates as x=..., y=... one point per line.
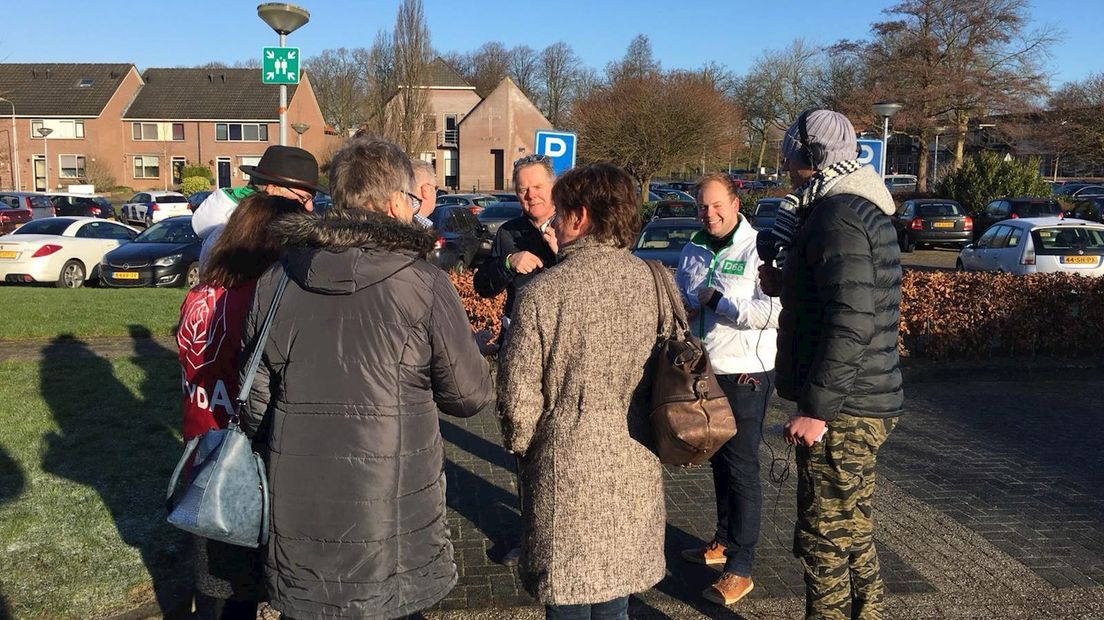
x=935, y=166
x=284, y=19
x=15, y=148
x=300, y=128
x=45, y=131
x=886, y=110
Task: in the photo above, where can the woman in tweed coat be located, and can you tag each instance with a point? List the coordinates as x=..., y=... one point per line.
x=571, y=396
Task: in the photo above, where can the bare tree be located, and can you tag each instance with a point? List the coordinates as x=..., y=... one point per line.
x=381, y=85
x=490, y=65
x=412, y=55
x=524, y=68
x=638, y=61
x=559, y=67
x=655, y=123
x=1073, y=126
x=340, y=83
x=950, y=61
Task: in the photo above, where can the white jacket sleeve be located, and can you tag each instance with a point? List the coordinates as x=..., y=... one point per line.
x=758, y=312
x=212, y=213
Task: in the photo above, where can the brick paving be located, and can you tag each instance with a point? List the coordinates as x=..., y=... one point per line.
x=990, y=505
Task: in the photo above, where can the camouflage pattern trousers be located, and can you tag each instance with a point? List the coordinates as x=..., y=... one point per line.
x=834, y=534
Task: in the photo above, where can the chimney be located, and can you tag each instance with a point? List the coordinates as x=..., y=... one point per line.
x=210, y=78
x=34, y=73
x=223, y=76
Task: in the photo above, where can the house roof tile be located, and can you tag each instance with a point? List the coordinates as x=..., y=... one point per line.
x=206, y=94
x=55, y=89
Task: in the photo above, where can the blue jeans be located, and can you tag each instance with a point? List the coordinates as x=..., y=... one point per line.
x=617, y=609
x=736, y=473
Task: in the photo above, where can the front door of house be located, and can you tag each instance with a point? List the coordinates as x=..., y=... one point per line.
x=499, y=172
x=223, y=173
x=39, y=173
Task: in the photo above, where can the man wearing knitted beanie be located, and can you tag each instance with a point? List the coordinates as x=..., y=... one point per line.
x=837, y=358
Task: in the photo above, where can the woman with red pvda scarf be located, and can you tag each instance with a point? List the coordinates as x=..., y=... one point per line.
x=229, y=581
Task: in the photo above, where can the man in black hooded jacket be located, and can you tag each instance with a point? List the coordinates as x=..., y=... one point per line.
x=837, y=359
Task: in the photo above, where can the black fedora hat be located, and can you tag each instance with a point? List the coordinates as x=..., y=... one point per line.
x=286, y=166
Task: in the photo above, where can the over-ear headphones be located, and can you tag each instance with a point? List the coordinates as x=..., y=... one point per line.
x=814, y=153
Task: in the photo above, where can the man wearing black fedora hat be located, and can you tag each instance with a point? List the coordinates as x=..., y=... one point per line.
x=284, y=171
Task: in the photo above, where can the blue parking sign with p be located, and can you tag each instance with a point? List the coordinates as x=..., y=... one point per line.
x=558, y=146
x=870, y=154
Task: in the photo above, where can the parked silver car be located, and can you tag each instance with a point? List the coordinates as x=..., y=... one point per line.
x=1037, y=245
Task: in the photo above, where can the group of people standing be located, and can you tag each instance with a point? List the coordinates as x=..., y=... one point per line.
x=370, y=342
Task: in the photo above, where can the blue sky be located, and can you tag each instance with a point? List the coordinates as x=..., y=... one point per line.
x=684, y=33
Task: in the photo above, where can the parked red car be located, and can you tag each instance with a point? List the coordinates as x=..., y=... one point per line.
x=15, y=210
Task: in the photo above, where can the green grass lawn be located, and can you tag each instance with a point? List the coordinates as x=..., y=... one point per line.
x=86, y=448
x=41, y=313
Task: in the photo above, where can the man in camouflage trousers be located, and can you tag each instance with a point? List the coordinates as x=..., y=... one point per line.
x=837, y=359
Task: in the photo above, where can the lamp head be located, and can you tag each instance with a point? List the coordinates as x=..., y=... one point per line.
x=282, y=17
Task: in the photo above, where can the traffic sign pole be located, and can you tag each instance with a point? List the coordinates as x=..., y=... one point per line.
x=283, y=101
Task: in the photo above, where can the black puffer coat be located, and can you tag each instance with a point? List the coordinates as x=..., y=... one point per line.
x=368, y=343
x=837, y=335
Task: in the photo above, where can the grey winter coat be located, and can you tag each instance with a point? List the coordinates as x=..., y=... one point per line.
x=368, y=343
x=571, y=390
x=841, y=295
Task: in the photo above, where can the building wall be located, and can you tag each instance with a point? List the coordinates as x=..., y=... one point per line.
x=506, y=120
x=102, y=142
x=443, y=102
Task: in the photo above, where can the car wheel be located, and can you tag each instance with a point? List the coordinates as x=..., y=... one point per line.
x=461, y=265
x=72, y=275
x=907, y=244
x=192, y=277
x=149, y=220
x=959, y=266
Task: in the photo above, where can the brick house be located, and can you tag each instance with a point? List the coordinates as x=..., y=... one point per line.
x=81, y=105
x=221, y=118
x=142, y=129
x=494, y=133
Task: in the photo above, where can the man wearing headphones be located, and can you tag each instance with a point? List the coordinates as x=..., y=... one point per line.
x=736, y=321
x=837, y=358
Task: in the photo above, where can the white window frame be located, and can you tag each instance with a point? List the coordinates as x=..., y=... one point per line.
x=172, y=166
x=141, y=132
x=79, y=164
x=241, y=129
x=138, y=164
x=63, y=128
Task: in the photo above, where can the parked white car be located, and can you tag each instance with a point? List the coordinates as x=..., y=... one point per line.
x=63, y=250
x=1037, y=245
x=148, y=208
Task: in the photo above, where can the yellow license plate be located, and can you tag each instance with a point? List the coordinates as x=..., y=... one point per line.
x=125, y=275
x=1079, y=260
x=9, y=255
x=943, y=224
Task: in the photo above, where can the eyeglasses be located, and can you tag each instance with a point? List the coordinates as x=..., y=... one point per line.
x=532, y=158
x=415, y=202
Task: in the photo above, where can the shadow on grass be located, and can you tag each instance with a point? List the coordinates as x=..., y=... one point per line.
x=12, y=482
x=122, y=446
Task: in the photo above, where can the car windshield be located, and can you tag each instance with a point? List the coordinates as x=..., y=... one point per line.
x=683, y=209
x=47, y=226
x=169, y=231
x=1036, y=209
x=766, y=208
x=484, y=201
x=1068, y=238
x=665, y=238
x=942, y=209
x=500, y=212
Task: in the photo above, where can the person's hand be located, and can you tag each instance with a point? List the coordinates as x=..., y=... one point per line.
x=705, y=294
x=525, y=262
x=802, y=430
x=483, y=338
x=550, y=239
x=770, y=280
x=691, y=313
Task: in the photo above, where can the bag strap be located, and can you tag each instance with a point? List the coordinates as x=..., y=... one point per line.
x=259, y=343
x=680, y=323
x=189, y=450
x=264, y=497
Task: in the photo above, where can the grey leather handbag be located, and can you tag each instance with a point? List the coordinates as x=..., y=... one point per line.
x=227, y=498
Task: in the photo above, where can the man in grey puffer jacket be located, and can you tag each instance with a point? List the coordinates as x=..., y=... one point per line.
x=837, y=359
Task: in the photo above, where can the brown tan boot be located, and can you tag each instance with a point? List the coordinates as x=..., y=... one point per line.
x=728, y=589
x=710, y=555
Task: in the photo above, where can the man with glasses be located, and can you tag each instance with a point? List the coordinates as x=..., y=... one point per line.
x=526, y=245
x=425, y=190
x=284, y=171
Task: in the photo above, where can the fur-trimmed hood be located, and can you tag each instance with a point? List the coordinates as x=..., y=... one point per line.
x=864, y=183
x=342, y=253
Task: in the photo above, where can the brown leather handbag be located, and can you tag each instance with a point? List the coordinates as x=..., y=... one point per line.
x=691, y=417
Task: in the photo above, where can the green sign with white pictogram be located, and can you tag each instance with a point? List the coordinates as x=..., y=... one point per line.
x=280, y=65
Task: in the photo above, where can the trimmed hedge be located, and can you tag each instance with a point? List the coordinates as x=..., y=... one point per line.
x=952, y=315
x=956, y=315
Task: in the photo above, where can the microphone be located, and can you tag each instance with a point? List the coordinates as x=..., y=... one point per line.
x=767, y=244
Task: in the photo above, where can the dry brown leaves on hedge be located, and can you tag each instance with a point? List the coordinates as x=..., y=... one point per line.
x=975, y=315
x=482, y=313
